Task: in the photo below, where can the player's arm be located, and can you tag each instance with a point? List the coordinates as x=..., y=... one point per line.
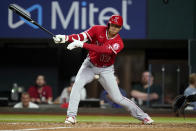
x=69, y=38
x=106, y=48
x=84, y=36
x=144, y=96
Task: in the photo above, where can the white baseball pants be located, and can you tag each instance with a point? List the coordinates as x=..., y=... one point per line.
x=108, y=81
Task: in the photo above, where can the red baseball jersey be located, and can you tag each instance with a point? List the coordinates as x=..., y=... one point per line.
x=46, y=92
x=102, y=50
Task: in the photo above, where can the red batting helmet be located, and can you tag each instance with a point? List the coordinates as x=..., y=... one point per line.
x=116, y=19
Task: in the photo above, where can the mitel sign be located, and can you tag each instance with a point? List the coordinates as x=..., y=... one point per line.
x=74, y=17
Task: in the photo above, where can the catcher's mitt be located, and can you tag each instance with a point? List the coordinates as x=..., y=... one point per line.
x=179, y=104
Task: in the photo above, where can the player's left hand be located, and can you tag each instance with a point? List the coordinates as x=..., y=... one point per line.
x=75, y=44
x=60, y=39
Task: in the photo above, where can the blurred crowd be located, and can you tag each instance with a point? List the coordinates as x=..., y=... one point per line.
x=143, y=93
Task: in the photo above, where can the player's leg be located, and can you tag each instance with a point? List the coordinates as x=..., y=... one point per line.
x=84, y=76
x=109, y=83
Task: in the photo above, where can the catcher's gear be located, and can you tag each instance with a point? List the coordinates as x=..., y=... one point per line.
x=181, y=102
x=191, y=98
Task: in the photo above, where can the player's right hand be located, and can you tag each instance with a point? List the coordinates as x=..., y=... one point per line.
x=75, y=44
x=60, y=39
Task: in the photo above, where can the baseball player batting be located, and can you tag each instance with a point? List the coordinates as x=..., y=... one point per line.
x=105, y=44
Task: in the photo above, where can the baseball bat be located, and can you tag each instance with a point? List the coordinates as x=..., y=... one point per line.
x=18, y=10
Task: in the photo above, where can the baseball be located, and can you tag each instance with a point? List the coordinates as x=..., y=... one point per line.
x=96, y=77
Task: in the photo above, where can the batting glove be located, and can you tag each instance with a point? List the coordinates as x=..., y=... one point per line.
x=75, y=44
x=60, y=39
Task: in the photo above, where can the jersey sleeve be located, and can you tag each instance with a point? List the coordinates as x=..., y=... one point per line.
x=81, y=37
x=99, y=49
x=106, y=48
x=84, y=36
x=117, y=47
x=91, y=32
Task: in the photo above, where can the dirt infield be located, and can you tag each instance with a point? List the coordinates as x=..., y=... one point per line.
x=90, y=126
